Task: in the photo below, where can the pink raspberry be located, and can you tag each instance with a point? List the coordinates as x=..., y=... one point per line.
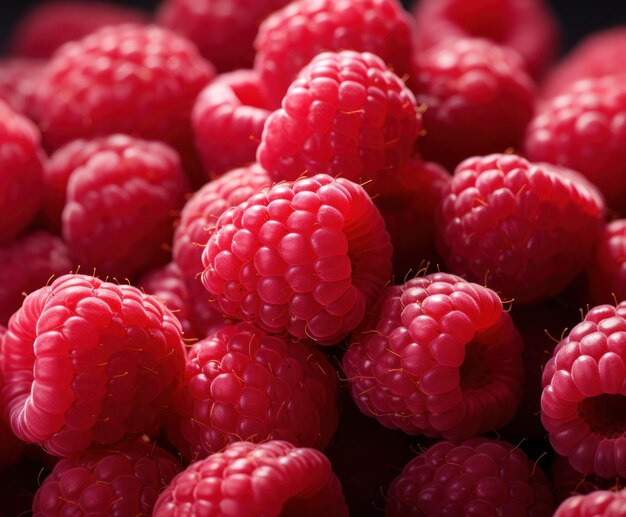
x=601, y=502
x=118, y=215
x=227, y=120
x=125, y=479
x=19, y=78
x=10, y=447
x=223, y=31
x=583, y=129
x=306, y=257
x=271, y=479
x=28, y=264
x=477, y=99
x=478, y=477
x=88, y=362
x=347, y=115
x=584, y=388
x=244, y=384
x=21, y=171
x=606, y=273
x=289, y=38
x=48, y=25
x=525, y=229
x=439, y=357
x=527, y=26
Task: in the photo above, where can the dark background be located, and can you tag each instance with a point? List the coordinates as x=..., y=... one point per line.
x=577, y=17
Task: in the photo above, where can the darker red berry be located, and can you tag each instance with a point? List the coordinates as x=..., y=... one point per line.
x=606, y=273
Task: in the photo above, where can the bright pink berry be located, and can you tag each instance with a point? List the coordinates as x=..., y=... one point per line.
x=606, y=273
x=584, y=392
x=125, y=479
x=292, y=36
x=19, y=78
x=524, y=229
x=10, y=447
x=438, y=357
x=607, y=503
x=307, y=257
x=477, y=100
x=88, y=362
x=271, y=479
x=119, y=211
x=346, y=114
x=477, y=478
x=28, y=264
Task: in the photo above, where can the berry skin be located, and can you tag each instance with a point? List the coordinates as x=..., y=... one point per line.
x=346, y=114
x=606, y=273
x=269, y=479
x=227, y=120
x=21, y=172
x=125, y=479
x=439, y=357
x=19, y=78
x=525, y=229
x=289, y=38
x=477, y=99
x=607, y=503
x=244, y=384
x=478, y=477
x=526, y=26
x=584, y=388
x=120, y=203
x=306, y=257
x=28, y=264
x=88, y=362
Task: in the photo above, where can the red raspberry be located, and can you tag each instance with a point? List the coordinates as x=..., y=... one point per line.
x=583, y=129
x=18, y=81
x=291, y=37
x=584, y=392
x=89, y=362
x=28, y=264
x=122, y=480
x=478, y=477
x=601, y=502
x=270, y=479
x=307, y=257
x=525, y=229
x=223, y=31
x=47, y=25
x=347, y=115
x=527, y=26
x=10, y=447
x=606, y=273
x=21, y=171
x=120, y=202
x=244, y=384
x=566, y=481
x=440, y=357
x=477, y=98
x=227, y=120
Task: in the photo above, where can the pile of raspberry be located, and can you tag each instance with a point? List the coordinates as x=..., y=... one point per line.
x=318, y=257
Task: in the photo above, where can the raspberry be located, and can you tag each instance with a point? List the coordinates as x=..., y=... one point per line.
x=21, y=171
x=439, y=357
x=566, y=481
x=347, y=115
x=27, y=264
x=583, y=398
x=477, y=97
x=477, y=477
x=606, y=273
x=10, y=447
x=601, y=502
x=271, y=479
x=48, y=25
x=525, y=229
x=227, y=121
x=88, y=362
x=223, y=31
x=19, y=78
x=120, y=202
x=307, y=257
x=527, y=26
x=289, y=38
x=122, y=480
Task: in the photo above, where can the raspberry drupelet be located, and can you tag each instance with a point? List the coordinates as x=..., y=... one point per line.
x=607, y=503
x=477, y=478
x=439, y=357
x=584, y=396
x=19, y=78
x=524, y=229
x=307, y=257
x=346, y=114
x=89, y=363
x=606, y=273
x=271, y=479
